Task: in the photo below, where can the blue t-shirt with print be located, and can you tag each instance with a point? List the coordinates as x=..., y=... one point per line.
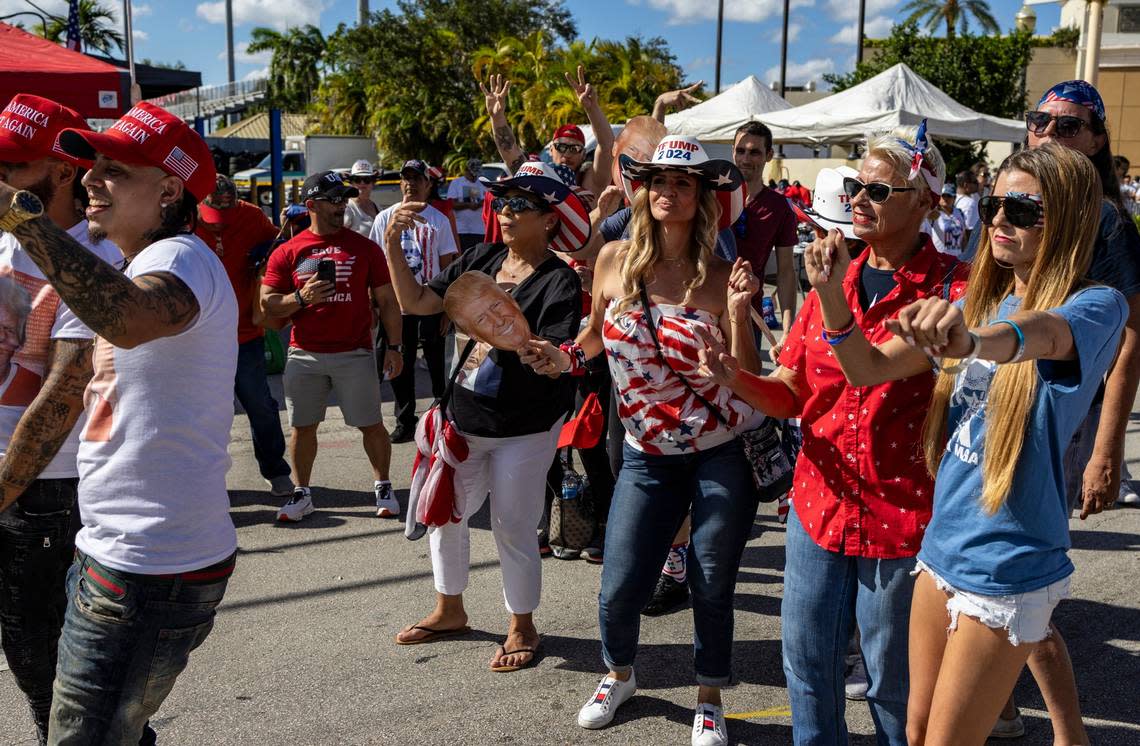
x=1024, y=546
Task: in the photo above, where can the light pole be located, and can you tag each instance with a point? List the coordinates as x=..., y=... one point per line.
x=362, y=12
x=719, y=33
x=1092, y=40
x=859, y=32
x=784, y=50
x=1025, y=21
x=136, y=90
x=230, y=40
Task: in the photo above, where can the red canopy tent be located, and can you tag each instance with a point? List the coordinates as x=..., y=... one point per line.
x=30, y=64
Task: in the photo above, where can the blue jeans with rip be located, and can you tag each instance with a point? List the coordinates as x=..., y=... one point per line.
x=126, y=638
x=251, y=388
x=37, y=542
x=825, y=595
x=652, y=497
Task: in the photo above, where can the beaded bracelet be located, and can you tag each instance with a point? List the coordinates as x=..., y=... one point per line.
x=834, y=337
x=1020, y=339
x=577, y=358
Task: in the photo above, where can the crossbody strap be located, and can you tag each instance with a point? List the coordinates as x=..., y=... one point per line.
x=657, y=345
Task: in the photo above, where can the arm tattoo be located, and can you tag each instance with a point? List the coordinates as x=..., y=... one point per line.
x=49, y=419
x=114, y=307
x=504, y=138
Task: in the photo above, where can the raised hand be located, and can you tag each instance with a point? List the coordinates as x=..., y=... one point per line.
x=826, y=260
x=742, y=285
x=610, y=199
x=405, y=218
x=935, y=325
x=680, y=98
x=585, y=92
x=713, y=361
x=495, y=96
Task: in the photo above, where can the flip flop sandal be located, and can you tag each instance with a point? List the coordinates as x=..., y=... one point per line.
x=432, y=634
x=507, y=669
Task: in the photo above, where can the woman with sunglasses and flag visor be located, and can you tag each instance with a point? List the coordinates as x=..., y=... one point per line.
x=508, y=416
x=862, y=497
x=1019, y=363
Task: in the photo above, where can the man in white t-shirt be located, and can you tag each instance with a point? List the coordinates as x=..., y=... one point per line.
x=428, y=249
x=466, y=195
x=157, y=545
x=948, y=224
x=45, y=362
x=967, y=202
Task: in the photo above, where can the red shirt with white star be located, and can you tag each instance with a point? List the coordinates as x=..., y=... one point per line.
x=861, y=485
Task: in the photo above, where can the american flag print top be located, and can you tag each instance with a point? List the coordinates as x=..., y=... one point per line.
x=660, y=416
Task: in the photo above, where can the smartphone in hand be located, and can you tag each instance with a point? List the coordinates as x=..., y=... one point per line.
x=326, y=270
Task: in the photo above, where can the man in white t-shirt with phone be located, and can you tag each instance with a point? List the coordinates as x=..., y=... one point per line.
x=157, y=545
x=466, y=195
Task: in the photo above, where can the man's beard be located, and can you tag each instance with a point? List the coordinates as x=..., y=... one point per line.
x=96, y=234
x=44, y=189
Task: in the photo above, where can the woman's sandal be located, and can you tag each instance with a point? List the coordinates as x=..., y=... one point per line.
x=529, y=662
x=432, y=634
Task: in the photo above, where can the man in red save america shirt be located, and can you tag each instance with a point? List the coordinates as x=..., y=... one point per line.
x=331, y=344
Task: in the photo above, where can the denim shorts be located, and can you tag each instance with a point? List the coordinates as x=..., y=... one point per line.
x=1024, y=616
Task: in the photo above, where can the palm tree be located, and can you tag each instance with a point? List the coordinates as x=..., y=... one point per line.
x=293, y=70
x=954, y=13
x=96, y=28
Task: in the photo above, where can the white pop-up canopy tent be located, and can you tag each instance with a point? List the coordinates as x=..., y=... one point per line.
x=717, y=119
x=893, y=98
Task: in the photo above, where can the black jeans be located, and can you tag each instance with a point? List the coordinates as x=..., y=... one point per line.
x=422, y=332
x=37, y=541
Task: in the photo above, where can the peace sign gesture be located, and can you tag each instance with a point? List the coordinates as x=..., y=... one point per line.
x=587, y=96
x=496, y=95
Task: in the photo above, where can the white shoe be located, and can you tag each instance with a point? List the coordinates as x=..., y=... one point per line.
x=386, y=504
x=855, y=686
x=299, y=506
x=610, y=695
x=1012, y=728
x=1127, y=494
x=708, y=726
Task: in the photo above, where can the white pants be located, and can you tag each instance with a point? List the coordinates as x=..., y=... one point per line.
x=513, y=470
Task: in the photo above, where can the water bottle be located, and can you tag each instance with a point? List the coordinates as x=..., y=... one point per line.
x=571, y=485
x=768, y=312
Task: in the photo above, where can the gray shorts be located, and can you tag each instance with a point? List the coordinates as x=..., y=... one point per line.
x=310, y=376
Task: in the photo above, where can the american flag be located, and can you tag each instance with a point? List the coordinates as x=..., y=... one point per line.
x=181, y=164
x=73, y=42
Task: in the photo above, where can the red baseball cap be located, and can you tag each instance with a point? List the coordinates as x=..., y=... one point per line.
x=570, y=132
x=150, y=136
x=30, y=127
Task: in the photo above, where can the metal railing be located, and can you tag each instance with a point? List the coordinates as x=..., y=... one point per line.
x=208, y=101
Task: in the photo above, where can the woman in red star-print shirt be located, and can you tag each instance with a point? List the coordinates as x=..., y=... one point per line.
x=862, y=496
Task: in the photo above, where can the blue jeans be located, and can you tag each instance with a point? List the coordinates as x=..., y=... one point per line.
x=37, y=541
x=652, y=497
x=252, y=389
x=825, y=595
x=126, y=638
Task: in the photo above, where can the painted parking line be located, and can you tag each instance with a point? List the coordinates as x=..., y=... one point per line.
x=771, y=712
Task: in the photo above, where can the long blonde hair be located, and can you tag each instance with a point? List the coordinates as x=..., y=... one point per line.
x=646, y=242
x=1070, y=191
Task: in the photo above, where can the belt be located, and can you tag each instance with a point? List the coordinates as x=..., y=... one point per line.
x=94, y=570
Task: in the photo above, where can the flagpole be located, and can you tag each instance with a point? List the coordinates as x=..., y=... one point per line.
x=136, y=90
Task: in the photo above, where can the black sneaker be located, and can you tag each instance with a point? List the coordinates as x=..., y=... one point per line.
x=404, y=433
x=668, y=596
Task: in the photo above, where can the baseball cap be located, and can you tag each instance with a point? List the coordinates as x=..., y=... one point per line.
x=570, y=132
x=30, y=127
x=949, y=190
x=148, y=135
x=417, y=166
x=327, y=185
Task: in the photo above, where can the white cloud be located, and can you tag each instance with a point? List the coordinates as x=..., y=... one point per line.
x=800, y=73
x=243, y=56
x=280, y=14
x=876, y=28
x=848, y=10
x=752, y=11
x=139, y=34
x=794, y=30
x=255, y=74
x=139, y=10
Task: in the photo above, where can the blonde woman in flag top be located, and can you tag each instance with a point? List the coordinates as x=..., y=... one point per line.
x=678, y=455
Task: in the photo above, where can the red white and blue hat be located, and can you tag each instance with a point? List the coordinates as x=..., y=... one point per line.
x=675, y=153
x=540, y=179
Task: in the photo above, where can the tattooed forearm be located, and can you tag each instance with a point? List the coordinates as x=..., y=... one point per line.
x=123, y=312
x=48, y=420
x=508, y=147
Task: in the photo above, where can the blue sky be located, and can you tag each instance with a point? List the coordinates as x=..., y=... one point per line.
x=822, y=32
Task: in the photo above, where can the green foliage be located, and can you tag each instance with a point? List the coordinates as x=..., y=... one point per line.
x=410, y=77
x=951, y=14
x=97, y=28
x=176, y=65
x=294, y=68
x=1066, y=37
x=984, y=73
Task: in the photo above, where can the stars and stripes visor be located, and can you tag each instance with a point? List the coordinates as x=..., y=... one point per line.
x=540, y=179
x=148, y=135
x=686, y=154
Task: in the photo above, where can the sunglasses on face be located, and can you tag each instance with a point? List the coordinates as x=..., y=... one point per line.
x=1067, y=126
x=361, y=180
x=566, y=147
x=517, y=204
x=1021, y=210
x=335, y=201
x=877, y=191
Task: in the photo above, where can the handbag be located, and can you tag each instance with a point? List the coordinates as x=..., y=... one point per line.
x=572, y=521
x=767, y=460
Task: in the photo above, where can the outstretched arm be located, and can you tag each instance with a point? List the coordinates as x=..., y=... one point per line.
x=675, y=100
x=496, y=100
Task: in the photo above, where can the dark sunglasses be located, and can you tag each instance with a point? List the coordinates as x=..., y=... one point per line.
x=362, y=180
x=1067, y=126
x=877, y=191
x=1021, y=210
x=335, y=201
x=565, y=147
x=517, y=204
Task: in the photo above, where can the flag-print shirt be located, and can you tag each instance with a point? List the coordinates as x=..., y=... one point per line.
x=861, y=485
x=661, y=416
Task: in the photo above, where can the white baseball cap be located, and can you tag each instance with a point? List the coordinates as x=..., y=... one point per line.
x=830, y=207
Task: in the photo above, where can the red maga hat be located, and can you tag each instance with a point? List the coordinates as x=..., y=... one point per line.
x=570, y=132
x=150, y=136
x=30, y=127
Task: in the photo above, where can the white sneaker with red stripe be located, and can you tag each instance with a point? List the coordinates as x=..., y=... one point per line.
x=610, y=695
x=708, y=726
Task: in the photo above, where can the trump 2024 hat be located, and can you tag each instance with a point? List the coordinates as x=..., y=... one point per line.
x=30, y=128
x=148, y=135
x=830, y=206
x=540, y=179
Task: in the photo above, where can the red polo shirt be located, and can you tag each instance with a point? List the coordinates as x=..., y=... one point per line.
x=861, y=485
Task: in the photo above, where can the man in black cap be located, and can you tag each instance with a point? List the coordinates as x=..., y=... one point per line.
x=428, y=249
x=326, y=279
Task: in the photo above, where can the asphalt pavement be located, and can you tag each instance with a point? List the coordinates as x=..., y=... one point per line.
x=303, y=652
